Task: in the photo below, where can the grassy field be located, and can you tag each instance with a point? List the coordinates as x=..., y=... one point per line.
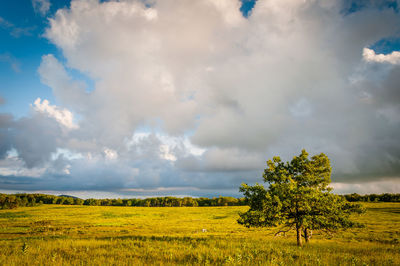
x=82, y=235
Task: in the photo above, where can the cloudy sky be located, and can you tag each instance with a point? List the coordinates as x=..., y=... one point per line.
x=136, y=98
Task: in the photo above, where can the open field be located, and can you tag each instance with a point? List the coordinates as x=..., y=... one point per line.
x=81, y=235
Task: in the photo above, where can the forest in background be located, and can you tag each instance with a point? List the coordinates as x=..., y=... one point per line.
x=12, y=201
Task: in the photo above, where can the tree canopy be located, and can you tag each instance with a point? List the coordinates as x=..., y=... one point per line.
x=298, y=197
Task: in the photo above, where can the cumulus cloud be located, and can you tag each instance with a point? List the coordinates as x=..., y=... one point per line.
x=36, y=137
x=14, y=166
x=110, y=154
x=6, y=121
x=62, y=116
x=194, y=95
x=70, y=92
x=34, y=144
x=392, y=58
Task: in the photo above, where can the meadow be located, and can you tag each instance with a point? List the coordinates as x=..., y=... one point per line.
x=97, y=235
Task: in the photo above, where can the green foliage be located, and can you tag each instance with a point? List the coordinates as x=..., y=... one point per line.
x=29, y=200
x=298, y=197
x=385, y=197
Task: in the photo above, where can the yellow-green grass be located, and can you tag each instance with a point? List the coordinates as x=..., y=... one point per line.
x=84, y=235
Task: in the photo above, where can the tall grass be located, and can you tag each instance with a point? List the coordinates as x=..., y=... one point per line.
x=86, y=235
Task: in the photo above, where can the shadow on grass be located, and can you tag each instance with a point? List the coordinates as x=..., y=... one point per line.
x=160, y=238
x=14, y=214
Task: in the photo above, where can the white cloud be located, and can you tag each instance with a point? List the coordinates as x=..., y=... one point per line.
x=13, y=166
x=9, y=171
x=66, y=154
x=167, y=147
x=166, y=154
x=110, y=154
x=41, y=6
x=393, y=58
x=62, y=116
x=68, y=91
x=259, y=99
x=220, y=93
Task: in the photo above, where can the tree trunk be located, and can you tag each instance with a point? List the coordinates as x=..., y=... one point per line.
x=298, y=231
x=306, y=236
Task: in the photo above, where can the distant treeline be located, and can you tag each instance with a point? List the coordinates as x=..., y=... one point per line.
x=386, y=197
x=8, y=201
x=26, y=200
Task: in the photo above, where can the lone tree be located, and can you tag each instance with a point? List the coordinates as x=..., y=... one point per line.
x=298, y=197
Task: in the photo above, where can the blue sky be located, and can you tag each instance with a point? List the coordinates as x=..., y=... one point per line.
x=22, y=86
x=168, y=97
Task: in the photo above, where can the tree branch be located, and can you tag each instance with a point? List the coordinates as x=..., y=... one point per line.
x=290, y=227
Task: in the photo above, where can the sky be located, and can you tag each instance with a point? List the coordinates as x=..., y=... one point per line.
x=139, y=98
